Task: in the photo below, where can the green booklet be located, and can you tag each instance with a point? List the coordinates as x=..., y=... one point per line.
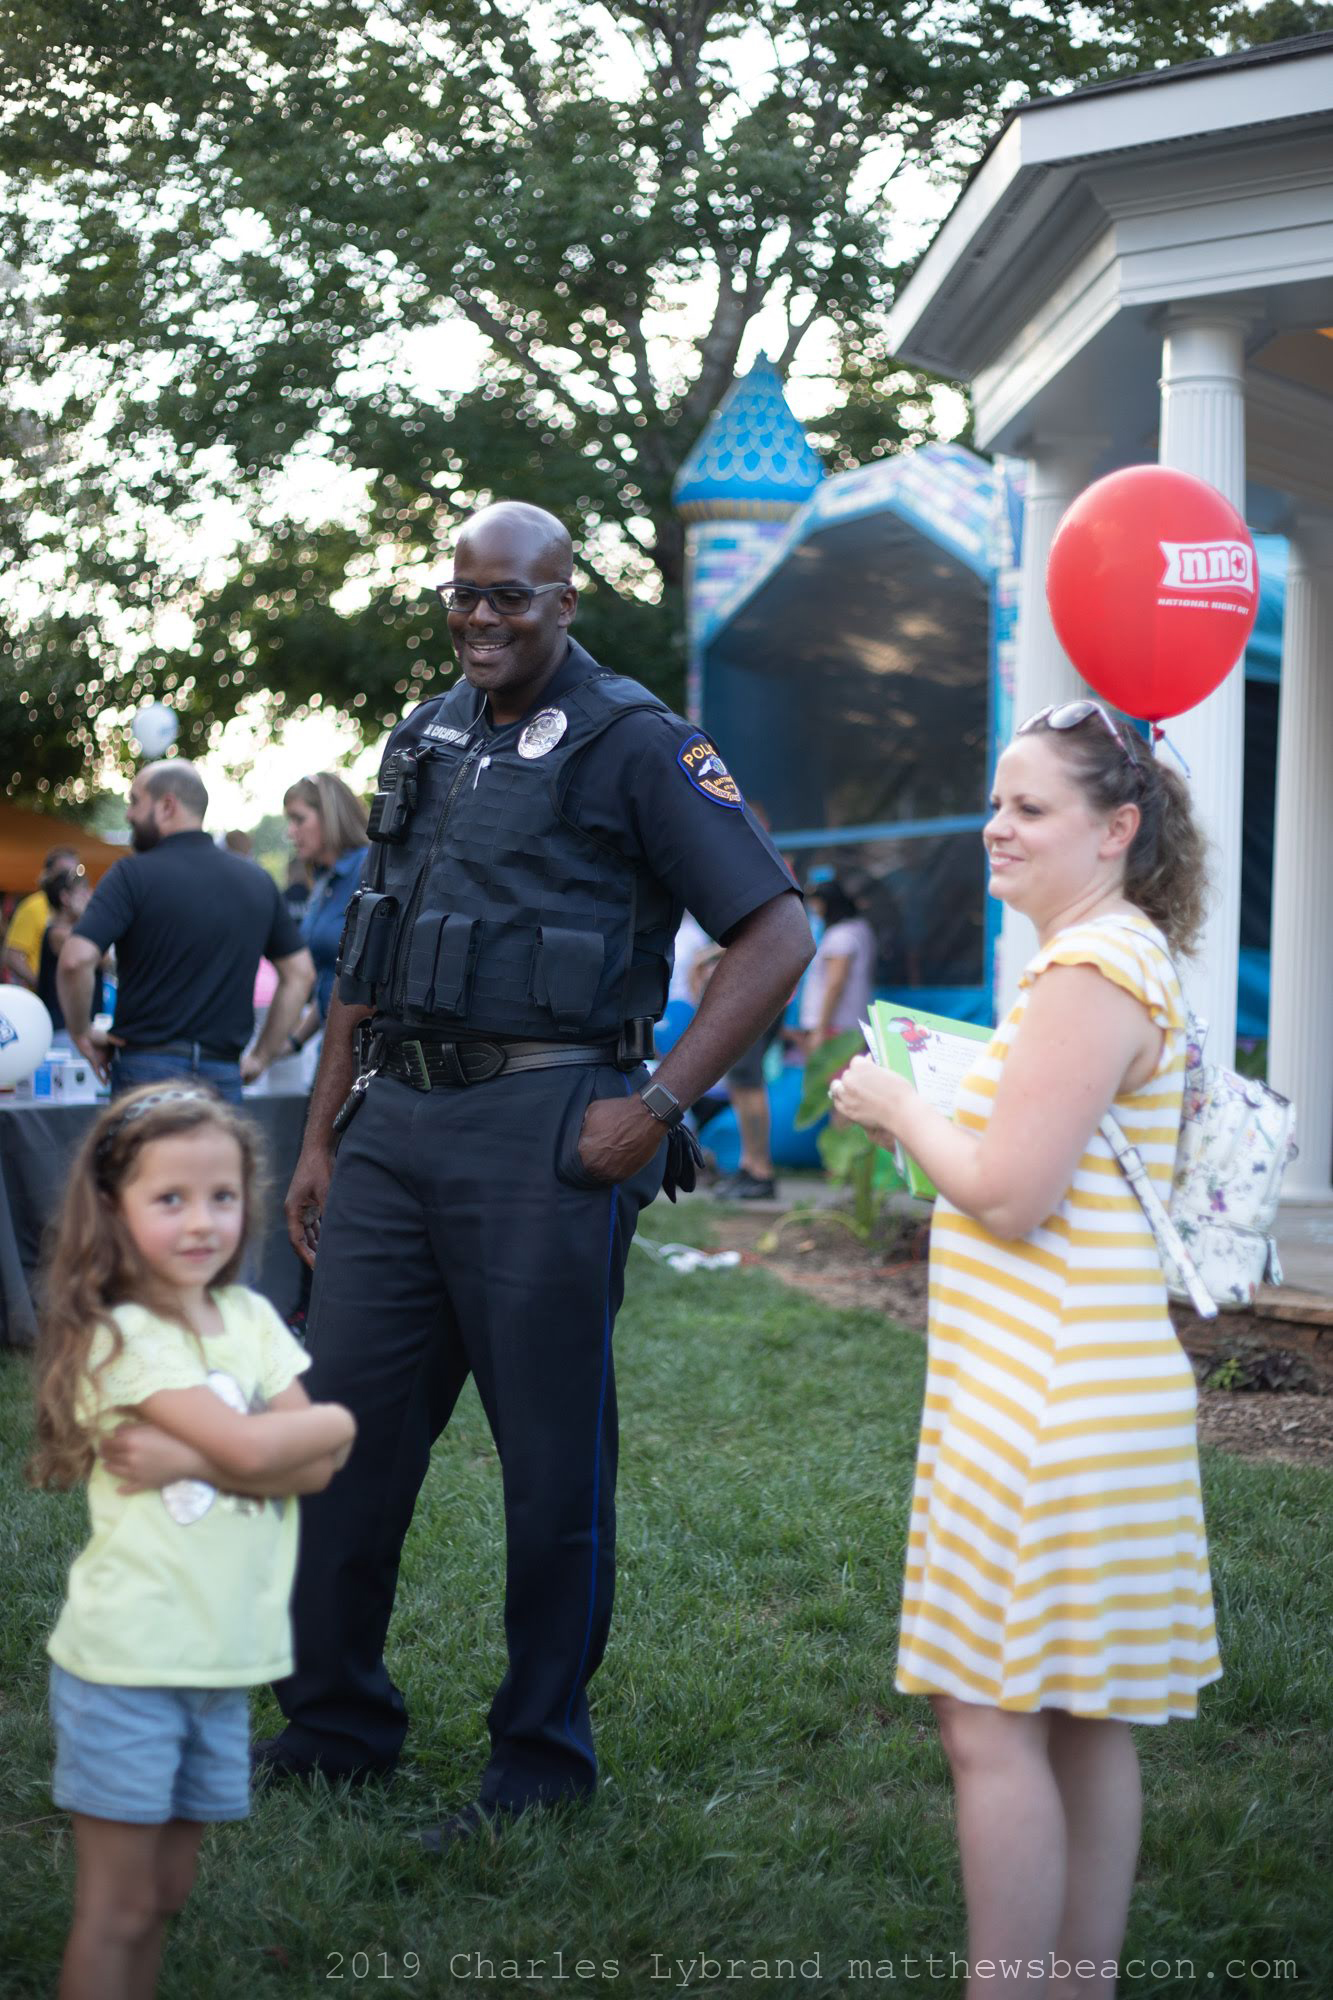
x=933, y=1053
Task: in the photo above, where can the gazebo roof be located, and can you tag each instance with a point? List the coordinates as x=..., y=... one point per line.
x=753, y=460
x=1064, y=168
x=1099, y=220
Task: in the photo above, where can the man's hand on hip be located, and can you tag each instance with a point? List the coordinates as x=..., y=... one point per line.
x=305, y=1200
x=99, y=1048
x=619, y=1136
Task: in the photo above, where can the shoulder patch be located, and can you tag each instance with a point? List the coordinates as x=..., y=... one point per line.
x=699, y=760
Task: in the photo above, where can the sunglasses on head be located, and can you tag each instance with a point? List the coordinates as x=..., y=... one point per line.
x=1070, y=715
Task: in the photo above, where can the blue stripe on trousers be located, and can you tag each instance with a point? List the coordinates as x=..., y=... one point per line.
x=597, y=1467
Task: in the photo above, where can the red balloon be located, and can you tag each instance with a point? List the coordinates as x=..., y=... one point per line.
x=1153, y=586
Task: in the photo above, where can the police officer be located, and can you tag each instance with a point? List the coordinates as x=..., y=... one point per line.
x=537, y=833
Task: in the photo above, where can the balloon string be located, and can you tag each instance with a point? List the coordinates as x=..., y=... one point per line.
x=1159, y=735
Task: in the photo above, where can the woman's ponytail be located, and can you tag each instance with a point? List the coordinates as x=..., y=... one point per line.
x=1166, y=869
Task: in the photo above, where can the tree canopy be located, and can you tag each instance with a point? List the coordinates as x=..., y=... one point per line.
x=291, y=287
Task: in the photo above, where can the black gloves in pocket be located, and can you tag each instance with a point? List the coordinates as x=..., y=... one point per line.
x=684, y=1157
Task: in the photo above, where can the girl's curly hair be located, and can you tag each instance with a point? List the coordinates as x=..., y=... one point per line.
x=91, y=1264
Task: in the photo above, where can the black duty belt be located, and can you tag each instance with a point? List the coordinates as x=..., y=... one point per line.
x=428, y=1062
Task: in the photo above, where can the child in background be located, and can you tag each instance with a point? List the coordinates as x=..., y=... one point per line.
x=173, y=1391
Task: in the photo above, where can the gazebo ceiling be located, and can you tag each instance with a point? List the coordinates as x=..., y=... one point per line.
x=1305, y=358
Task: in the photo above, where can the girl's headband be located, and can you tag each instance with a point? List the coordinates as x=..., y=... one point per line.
x=136, y=1110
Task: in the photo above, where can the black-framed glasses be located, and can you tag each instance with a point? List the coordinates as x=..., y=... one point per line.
x=1069, y=715
x=507, y=600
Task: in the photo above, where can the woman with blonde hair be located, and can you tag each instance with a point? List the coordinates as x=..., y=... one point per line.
x=326, y=824
x=1057, y=1585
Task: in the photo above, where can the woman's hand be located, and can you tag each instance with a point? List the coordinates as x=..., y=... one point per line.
x=871, y=1096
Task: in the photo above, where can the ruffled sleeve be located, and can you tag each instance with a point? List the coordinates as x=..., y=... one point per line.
x=281, y=1355
x=1124, y=954
x=156, y=1355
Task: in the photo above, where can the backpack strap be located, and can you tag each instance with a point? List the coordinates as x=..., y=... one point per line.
x=1170, y=1243
x=1168, y=1238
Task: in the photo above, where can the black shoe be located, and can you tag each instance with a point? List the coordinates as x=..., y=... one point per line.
x=745, y=1186
x=474, y=1822
x=271, y=1764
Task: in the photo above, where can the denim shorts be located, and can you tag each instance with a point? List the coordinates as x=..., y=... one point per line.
x=150, y=1754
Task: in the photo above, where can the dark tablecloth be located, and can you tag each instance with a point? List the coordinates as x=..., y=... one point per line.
x=37, y=1142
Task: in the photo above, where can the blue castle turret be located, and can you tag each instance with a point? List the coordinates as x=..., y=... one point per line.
x=747, y=475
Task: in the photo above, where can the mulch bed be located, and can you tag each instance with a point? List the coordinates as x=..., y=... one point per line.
x=1265, y=1382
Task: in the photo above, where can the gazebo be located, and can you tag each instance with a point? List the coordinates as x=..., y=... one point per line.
x=1144, y=270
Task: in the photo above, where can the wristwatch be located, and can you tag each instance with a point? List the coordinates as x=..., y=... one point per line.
x=666, y=1109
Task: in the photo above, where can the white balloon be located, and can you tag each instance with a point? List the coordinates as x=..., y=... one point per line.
x=154, y=729
x=25, y=1033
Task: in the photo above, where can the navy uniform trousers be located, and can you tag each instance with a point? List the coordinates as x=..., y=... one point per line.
x=462, y=1235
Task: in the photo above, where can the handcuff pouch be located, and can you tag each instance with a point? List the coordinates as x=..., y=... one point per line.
x=635, y=1044
x=366, y=950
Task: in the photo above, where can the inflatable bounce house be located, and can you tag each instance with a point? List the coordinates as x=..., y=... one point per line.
x=851, y=645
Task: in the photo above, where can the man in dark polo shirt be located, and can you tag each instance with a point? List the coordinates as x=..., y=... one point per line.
x=190, y=923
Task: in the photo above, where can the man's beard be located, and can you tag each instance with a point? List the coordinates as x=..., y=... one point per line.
x=143, y=837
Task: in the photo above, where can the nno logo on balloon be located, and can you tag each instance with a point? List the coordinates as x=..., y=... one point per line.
x=1226, y=565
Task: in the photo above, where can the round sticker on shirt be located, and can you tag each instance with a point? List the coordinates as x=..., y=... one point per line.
x=543, y=732
x=707, y=773
x=188, y=1500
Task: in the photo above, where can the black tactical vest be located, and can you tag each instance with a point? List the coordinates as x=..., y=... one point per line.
x=509, y=920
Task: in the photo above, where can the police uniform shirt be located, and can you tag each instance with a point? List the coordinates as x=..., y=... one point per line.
x=655, y=788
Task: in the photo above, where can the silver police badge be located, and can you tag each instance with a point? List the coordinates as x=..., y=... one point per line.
x=543, y=732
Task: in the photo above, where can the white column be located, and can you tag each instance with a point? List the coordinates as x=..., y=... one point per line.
x=1300, y=1033
x=1203, y=432
x=1056, y=474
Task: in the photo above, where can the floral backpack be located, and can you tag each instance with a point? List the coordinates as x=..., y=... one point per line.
x=1236, y=1138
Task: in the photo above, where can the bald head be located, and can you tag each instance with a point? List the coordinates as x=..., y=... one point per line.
x=173, y=778
x=167, y=797
x=511, y=603
x=516, y=541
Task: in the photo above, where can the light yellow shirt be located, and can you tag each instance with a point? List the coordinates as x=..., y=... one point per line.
x=186, y=1587
x=27, y=927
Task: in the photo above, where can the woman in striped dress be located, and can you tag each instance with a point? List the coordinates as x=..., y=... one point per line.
x=1057, y=1584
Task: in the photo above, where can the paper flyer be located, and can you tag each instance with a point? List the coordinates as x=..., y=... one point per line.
x=934, y=1053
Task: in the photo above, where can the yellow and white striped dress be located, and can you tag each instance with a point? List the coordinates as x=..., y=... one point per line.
x=1057, y=1556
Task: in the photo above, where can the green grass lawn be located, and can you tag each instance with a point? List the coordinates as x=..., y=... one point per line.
x=771, y=1807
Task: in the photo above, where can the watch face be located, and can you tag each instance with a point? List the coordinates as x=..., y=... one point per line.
x=661, y=1103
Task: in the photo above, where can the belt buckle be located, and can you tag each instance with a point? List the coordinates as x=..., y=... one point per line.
x=414, y=1056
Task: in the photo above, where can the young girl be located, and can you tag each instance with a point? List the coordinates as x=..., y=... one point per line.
x=174, y=1392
